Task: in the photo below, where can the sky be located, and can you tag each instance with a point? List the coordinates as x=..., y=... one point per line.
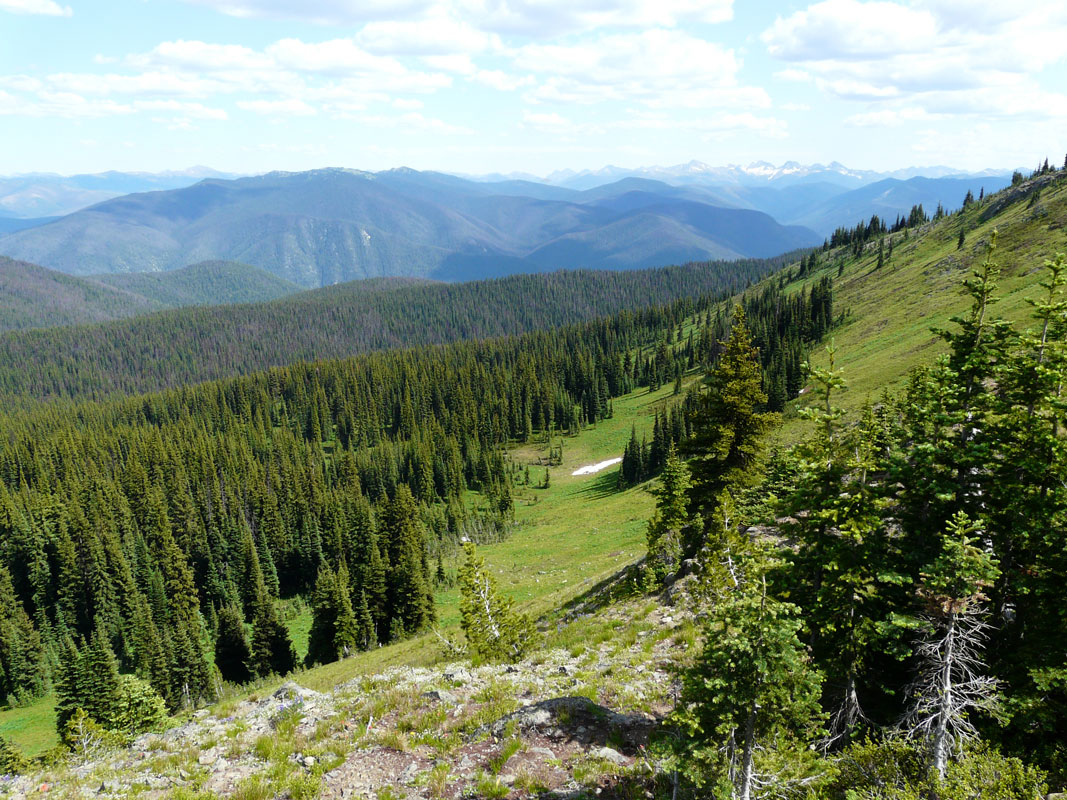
x=530, y=86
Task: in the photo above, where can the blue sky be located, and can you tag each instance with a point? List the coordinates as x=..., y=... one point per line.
x=479, y=86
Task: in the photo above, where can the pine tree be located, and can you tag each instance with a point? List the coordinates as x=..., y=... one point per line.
x=232, y=652
x=493, y=630
x=729, y=424
x=665, y=529
x=951, y=681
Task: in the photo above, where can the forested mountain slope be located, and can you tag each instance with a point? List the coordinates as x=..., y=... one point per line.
x=35, y=297
x=209, y=283
x=167, y=349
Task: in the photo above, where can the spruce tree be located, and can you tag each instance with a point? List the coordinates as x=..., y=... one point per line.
x=729, y=424
x=752, y=687
x=493, y=630
x=665, y=529
x=232, y=652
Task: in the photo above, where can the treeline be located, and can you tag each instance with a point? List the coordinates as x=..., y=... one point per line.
x=783, y=327
x=168, y=349
x=152, y=530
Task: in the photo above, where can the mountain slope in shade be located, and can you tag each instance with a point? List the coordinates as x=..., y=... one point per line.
x=205, y=284
x=32, y=296
x=327, y=226
x=35, y=297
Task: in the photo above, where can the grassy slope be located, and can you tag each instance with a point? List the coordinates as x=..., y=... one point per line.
x=892, y=310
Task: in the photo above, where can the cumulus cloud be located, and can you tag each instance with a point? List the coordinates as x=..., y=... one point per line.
x=547, y=18
x=659, y=68
x=321, y=12
x=290, y=107
x=46, y=8
x=533, y=18
x=417, y=122
x=976, y=56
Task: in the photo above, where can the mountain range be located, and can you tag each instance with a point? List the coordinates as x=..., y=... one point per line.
x=328, y=226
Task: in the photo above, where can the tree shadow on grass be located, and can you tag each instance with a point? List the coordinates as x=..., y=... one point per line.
x=603, y=485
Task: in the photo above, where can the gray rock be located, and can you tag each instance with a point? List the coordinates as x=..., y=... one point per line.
x=614, y=756
x=441, y=696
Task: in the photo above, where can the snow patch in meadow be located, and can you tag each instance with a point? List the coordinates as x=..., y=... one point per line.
x=593, y=468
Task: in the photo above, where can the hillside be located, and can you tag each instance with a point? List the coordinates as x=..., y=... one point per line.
x=35, y=297
x=327, y=226
x=335, y=322
x=209, y=283
x=32, y=296
x=891, y=311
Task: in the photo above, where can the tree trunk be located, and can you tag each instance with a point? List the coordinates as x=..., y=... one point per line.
x=745, y=790
x=941, y=744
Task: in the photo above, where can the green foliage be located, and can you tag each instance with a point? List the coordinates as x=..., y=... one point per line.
x=232, y=652
x=140, y=708
x=665, y=529
x=493, y=630
x=893, y=769
x=12, y=762
x=358, y=317
x=753, y=682
x=729, y=426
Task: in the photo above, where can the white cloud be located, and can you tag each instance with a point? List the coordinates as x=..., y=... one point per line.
x=793, y=74
x=60, y=104
x=169, y=84
x=321, y=12
x=459, y=63
x=416, y=121
x=438, y=34
x=336, y=57
x=407, y=104
x=929, y=54
x=547, y=122
x=290, y=107
x=203, y=56
x=536, y=18
x=550, y=18
x=187, y=110
x=501, y=81
x=659, y=68
x=46, y=8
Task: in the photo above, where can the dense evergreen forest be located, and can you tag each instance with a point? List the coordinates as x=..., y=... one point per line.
x=153, y=528
x=191, y=345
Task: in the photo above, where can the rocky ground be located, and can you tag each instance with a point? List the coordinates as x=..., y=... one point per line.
x=569, y=722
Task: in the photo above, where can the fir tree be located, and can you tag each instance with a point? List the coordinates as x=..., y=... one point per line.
x=493, y=630
x=729, y=424
x=232, y=652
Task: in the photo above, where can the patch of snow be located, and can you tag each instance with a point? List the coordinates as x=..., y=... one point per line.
x=590, y=469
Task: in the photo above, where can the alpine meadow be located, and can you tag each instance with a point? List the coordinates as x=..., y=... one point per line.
x=409, y=453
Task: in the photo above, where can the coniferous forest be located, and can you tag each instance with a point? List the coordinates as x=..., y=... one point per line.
x=874, y=596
